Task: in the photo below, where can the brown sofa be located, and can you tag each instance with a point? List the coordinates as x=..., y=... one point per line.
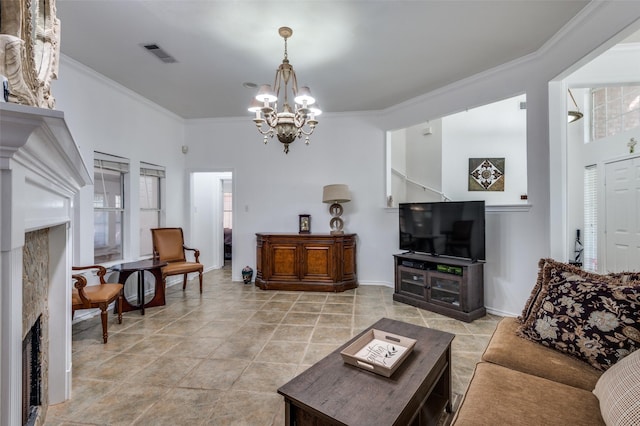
x=519, y=382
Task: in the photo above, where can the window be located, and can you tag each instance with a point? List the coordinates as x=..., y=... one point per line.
x=151, y=204
x=614, y=110
x=108, y=206
x=590, y=237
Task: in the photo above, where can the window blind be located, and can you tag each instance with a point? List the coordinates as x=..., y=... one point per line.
x=110, y=162
x=590, y=244
x=148, y=169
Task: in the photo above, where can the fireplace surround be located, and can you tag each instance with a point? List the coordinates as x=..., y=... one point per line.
x=41, y=171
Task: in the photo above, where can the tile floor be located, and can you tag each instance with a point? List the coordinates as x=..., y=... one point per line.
x=218, y=358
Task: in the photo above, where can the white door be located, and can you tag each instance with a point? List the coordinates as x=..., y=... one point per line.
x=622, y=215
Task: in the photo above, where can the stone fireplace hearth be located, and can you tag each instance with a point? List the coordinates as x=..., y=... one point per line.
x=41, y=170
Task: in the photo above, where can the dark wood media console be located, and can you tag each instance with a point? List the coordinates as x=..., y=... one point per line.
x=452, y=287
x=313, y=262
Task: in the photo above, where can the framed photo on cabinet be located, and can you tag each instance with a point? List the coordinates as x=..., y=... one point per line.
x=304, y=224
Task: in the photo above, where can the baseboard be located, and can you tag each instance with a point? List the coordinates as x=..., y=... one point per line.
x=380, y=283
x=500, y=313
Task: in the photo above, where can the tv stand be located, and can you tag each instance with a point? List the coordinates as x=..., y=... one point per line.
x=451, y=287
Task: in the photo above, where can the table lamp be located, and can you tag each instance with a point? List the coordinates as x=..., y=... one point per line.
x=336, y=194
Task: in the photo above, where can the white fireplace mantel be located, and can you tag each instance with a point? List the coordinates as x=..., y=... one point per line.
x=41, y=170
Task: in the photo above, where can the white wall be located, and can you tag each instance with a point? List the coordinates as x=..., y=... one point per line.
x=397, y=161
x=103, y=116
x=425, y=162
x=497, y=130
x=416, y=163
x=619, y=65
x=517, y=239
x=271, y=188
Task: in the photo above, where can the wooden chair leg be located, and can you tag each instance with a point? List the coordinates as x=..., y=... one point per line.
x=184, y=281
x=103, y=317
x=119, y=302
x=200, y=274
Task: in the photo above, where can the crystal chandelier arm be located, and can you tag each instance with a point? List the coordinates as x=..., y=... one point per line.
x=312, y=127
x=266, y=132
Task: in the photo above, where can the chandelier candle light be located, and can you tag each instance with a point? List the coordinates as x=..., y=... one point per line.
x=287, y=124
x=336, y=194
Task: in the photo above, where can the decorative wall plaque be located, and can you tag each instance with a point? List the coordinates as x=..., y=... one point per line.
x=486, y=174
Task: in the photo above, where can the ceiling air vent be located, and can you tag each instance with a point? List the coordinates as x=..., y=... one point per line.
x=160, y=53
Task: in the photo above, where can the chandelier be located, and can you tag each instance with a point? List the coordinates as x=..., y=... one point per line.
x=290, y=122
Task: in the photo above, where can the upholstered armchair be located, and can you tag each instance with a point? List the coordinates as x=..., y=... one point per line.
x=99, y=296
x=168, y=246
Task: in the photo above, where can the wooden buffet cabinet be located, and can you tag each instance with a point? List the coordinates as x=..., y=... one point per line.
x=313, y=262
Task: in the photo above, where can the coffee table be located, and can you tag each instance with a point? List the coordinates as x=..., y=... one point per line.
x=334, y=393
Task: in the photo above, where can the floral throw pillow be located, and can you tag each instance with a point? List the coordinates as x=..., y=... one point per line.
x=589, y=318
x=625, y=276
x=568, y=272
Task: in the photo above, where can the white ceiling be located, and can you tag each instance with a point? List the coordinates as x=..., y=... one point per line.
x=356, y=55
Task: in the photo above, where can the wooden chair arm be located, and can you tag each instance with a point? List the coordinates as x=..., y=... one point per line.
x=80, y=282
x=102, y=271
x=195, y=251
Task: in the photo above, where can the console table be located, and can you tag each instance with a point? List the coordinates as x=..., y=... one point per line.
x=452, y=287
x=418, y=393
x=314, y=262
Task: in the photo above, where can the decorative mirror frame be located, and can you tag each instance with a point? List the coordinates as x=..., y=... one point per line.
x=29, y=50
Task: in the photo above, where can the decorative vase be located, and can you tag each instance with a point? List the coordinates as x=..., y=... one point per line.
x=247, y=274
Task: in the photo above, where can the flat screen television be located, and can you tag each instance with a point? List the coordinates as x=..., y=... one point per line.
x=453, y=229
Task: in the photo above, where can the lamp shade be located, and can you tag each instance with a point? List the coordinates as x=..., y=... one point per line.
x=336, y=193
x=255, y=105
x=265, y=94
x=315, y=109
x=304, y=94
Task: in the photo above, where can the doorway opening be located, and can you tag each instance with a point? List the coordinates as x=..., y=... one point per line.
x=212, y=217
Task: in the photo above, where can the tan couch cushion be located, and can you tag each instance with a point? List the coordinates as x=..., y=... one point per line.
x=96, y=293
x=511, y=351
x=619, y=392
x=175, y=268
x=500, y=396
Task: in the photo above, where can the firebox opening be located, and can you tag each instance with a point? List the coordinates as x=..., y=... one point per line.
x=32, y=373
